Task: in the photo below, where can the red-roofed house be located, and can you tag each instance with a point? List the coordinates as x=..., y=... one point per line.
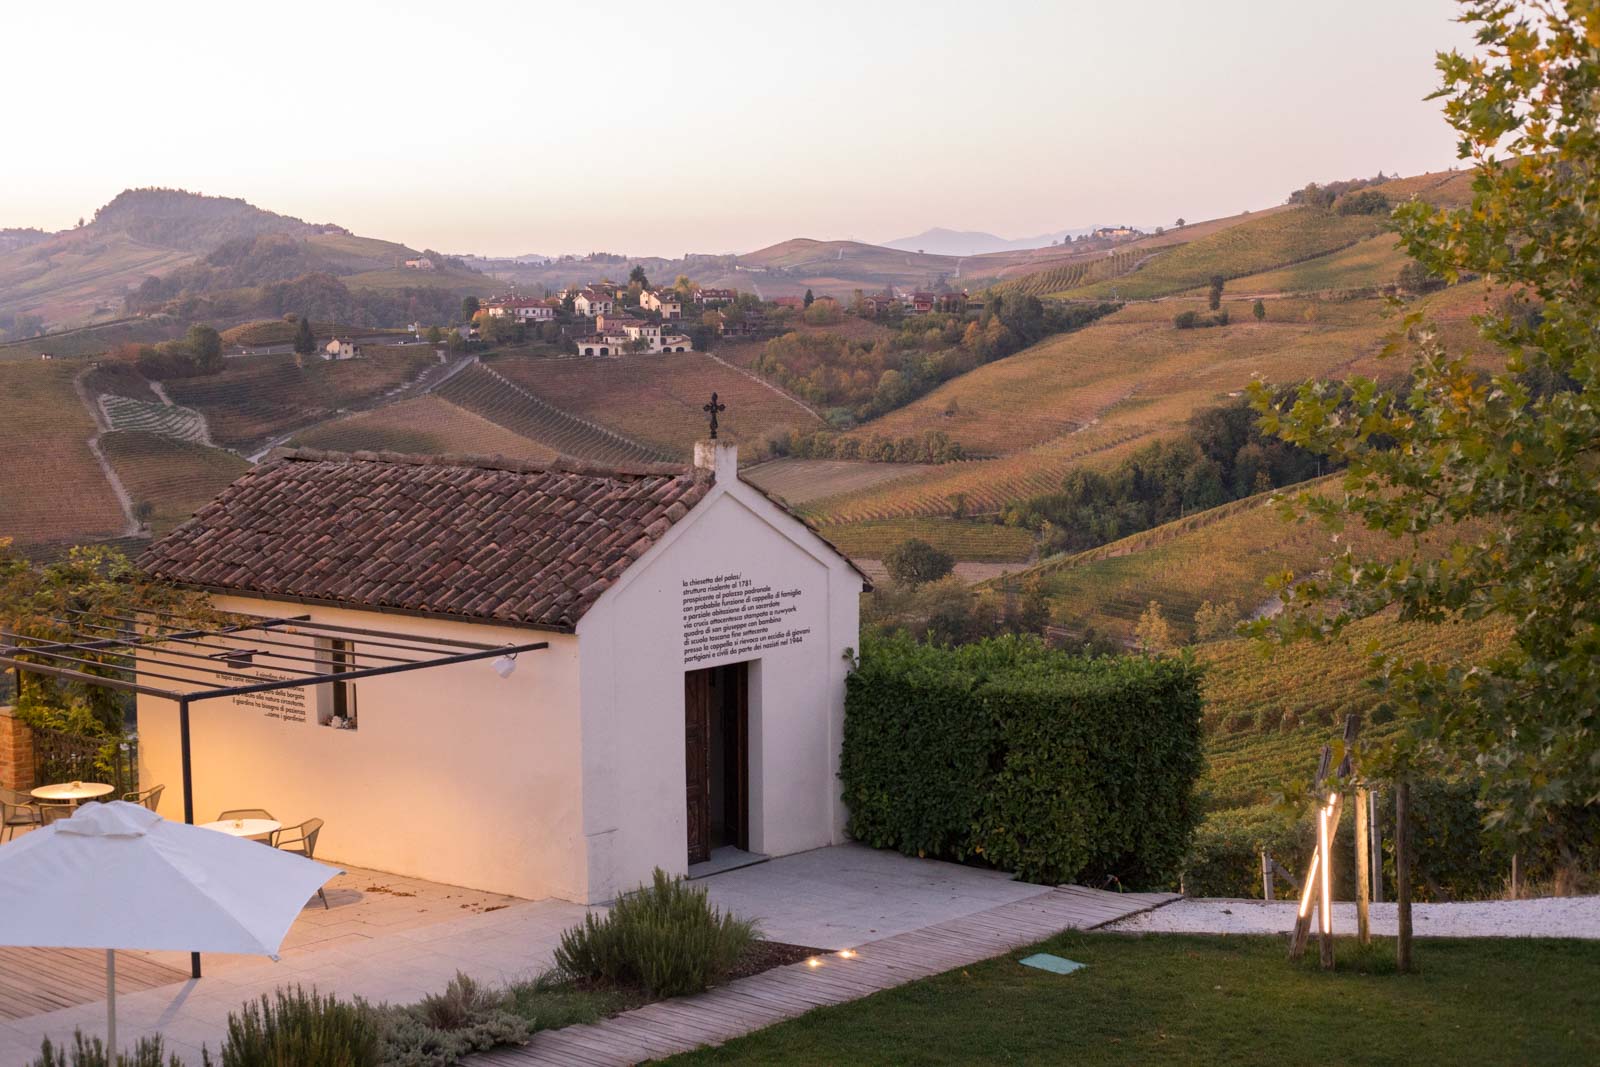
x=688, y=704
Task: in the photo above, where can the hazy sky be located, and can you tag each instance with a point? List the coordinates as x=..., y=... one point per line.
x=650, y=128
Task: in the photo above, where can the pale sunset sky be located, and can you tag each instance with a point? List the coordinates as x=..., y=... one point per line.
x=650, y=129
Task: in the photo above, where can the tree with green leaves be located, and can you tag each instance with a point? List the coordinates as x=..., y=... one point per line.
x=1214, y=297
x=305, y=342
x=45, y=602
x=914, y=561
x=810, y=298
x=469, y=308
x=1503, y=480
x=205, y=347
x=1259, y=310
x=636, y=276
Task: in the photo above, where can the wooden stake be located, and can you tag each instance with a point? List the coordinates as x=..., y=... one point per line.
x=1363, y=871
x=1324, y=889
x=1376, y=829
x=1516, y=876
x=1402, y=874
x=1266, y=876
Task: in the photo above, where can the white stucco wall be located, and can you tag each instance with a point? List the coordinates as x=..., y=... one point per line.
x=566, y=779
x=633, y=662
x=453, y=774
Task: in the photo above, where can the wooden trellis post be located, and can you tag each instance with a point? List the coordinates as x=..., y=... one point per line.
x=1363, y=868
x=1402, y=875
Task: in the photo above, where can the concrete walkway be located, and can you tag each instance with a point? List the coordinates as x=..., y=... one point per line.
x=394, y=939
x=848, y=895
x=687, y=1023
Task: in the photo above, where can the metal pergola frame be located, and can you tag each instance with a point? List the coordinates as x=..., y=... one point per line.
x=217, y=659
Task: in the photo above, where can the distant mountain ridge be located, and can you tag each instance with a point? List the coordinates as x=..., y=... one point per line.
x=946, y=242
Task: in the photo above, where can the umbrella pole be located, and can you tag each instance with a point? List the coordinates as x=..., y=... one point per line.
x=111, y=1005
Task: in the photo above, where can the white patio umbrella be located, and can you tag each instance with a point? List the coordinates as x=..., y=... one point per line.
x=118, y=875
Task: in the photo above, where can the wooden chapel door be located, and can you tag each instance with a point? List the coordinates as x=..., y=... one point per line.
x=697, y=721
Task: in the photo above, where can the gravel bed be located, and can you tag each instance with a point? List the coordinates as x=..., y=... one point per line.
x=1542, y=917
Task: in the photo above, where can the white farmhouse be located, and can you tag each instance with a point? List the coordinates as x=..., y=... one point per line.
x=690, y=699
x=590, y=303
x=341, y=348
x=617, y=335
x=666, y=302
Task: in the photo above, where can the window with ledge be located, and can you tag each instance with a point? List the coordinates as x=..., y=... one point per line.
x=336, y=701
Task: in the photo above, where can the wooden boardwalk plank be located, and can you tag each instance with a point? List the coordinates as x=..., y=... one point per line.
x=747, y=1004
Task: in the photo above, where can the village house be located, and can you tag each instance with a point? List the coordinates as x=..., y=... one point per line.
x=341, y=348
x=666, y=303
x=420, y=263
x=793, y=303
x=589, y=303
x=524, y=309
x=879, y=303
x=687, y=704
x=712, y=297
x=1116, y=232
x=617, y=335
x=920, y=303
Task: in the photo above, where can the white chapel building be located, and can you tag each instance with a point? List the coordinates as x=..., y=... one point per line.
x=690, y=699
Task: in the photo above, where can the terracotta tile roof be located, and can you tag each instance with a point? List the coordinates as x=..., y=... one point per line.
x=475, y=537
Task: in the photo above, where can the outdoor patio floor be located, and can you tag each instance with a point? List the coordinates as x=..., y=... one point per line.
x=397, y=939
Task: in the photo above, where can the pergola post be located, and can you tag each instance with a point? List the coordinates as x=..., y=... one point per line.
x=188, y=794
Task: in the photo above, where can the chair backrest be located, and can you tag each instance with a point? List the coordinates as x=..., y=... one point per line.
x=150, y=798
x=13, y=799
x=49, y=813
x=244, y=813
x=302, y=838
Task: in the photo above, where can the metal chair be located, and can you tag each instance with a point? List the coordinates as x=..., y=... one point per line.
x=244, y=813
x=150, y=798
x=51, y=813
x=19, y=809
x=301, y=839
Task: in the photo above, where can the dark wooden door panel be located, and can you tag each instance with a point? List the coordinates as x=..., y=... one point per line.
x=697, y=762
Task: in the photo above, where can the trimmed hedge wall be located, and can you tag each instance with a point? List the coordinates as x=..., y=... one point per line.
x=1059, y=768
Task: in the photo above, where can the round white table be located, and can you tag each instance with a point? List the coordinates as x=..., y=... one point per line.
x=244, y=827
x=72, y=792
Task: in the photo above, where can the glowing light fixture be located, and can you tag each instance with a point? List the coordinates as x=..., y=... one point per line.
x=505, y=665
x=847, y=953
x=813, y=962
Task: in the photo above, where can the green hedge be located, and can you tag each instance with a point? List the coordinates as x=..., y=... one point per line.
x=1059, y=768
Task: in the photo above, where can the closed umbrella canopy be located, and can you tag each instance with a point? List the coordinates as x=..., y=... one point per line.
x=120, y=876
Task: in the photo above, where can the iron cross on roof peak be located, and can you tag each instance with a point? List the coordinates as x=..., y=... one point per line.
x=712, y=409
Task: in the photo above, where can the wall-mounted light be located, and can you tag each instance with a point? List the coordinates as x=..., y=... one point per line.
x=505, y=665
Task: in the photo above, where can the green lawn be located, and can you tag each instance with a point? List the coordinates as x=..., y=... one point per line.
x=1211, y=1000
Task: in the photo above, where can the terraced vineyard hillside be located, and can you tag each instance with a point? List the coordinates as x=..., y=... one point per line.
x=51, y=486
x=484, y=391
x=981, y=542
x=1134, y=373
x=1224, y=554
x=175, y=478
x=257, y=398
x=426, y=425
x=659, y=400
x=1264, y=244
x=802, y=481
x=152, y=416
x=977, y=486
x=1094, y=267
